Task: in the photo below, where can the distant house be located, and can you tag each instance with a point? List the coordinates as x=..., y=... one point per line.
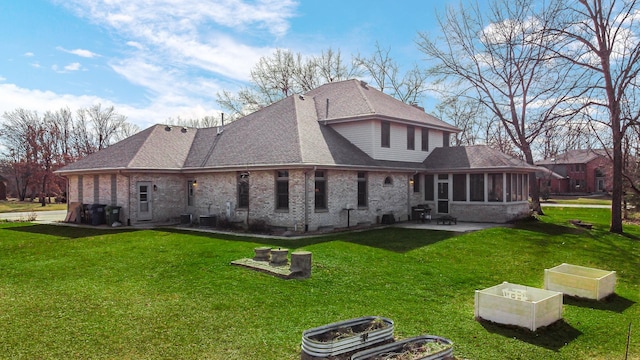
x=3, y=188
x=340, y=155
x=578, y=171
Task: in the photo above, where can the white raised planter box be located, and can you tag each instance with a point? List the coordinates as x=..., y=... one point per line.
x=580, y=281
x=513, y=304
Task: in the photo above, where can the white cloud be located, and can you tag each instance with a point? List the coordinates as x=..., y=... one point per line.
x=190, y=32
x=79, y=52
x=73, y=67
x=13, y=97
x=29, y=54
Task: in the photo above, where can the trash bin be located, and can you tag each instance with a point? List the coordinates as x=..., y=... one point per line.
x=112, y=214
x=97, y=214
x=85, y=214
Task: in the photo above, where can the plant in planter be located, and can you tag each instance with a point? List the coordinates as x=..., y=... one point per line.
x=346, y=336
x=425, y=347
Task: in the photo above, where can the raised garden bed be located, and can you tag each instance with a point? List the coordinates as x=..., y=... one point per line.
x=513, y=304
x=346, y=336
x=580, y=281
x=425, y=347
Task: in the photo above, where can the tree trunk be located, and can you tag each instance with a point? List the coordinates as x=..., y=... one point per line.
x=616, y=194
x=534, y=186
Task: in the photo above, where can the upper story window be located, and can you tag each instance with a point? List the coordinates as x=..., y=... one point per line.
x=411, y=138
x=425, y=139
x=385, y=140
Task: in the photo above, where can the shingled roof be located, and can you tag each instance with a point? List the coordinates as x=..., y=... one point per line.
x=466, y=158
x=292, y=132
x=352, y=100
x=577, y=156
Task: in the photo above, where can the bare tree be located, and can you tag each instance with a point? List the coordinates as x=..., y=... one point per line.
x=503, y=59
x=285, y=73
x=468, y=116
x=602, y=37
x=386, y=75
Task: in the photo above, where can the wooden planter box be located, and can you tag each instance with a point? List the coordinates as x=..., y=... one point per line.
x=513, y=304
x=321, y=342
x=580, y=281
x=444, y=349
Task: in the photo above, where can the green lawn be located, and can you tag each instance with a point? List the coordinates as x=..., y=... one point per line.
x=168, y=294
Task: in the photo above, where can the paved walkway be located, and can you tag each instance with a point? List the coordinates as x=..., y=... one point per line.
x=56, y=216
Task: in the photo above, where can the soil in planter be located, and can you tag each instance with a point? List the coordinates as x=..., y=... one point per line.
x=413, y=351
x=349, y=331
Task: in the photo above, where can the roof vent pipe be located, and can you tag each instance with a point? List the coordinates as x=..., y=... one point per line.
x=326, y=114
x=221, y=128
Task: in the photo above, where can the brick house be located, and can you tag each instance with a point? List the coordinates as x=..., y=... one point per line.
x=343, y=152
x=578, y=171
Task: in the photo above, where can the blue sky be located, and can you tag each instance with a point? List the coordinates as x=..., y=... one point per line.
x=156, y=59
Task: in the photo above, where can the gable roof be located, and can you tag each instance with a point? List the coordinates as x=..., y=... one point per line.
x=467, y=158
x=577, y=156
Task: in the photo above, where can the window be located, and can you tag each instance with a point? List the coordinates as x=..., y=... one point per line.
x=509, y=192
x=385, y=141
x=320, y=191
x=459, y=187
x=476, y=187
x=411, y=138
x=388, y=181
x=425, y=139
x=243, y=190
x=416, y=183
x=362, y=189
x=428, y=187
x=445, y=139
x=191, y=186
x=282, y=190
x=495, y=187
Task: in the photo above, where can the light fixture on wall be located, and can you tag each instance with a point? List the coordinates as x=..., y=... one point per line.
x=411, y=181
x=195, y=183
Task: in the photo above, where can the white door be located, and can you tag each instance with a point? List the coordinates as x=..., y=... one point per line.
x=144, y=200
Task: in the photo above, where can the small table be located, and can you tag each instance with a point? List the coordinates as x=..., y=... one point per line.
x=447, y=220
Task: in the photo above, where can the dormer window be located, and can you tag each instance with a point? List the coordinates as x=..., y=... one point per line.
x=385, y=140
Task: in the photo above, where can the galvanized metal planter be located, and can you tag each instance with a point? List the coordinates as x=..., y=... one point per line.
x=360, y=338
x=386, y=351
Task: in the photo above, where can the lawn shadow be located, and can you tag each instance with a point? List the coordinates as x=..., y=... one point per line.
x=613, y=302
x=552, y=337
x=69, y=232
x=549, y=229
x=383, y=238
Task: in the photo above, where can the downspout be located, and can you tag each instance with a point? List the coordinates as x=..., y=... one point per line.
x=409, y=195
x=306, y=199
